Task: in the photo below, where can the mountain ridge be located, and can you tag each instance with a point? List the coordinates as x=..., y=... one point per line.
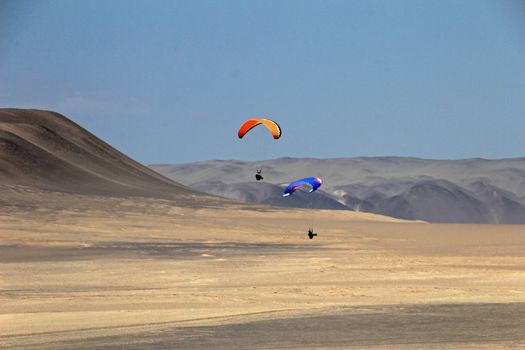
x=472, y=190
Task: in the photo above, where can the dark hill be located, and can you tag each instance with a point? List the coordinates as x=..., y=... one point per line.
x=47, y=151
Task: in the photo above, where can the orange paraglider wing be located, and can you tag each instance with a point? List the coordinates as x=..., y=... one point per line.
x=272, y=126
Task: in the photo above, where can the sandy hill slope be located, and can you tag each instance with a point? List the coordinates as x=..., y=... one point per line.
x=47, y=151
x=460, y=191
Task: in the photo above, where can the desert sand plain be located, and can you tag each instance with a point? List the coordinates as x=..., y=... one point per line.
x=99, y=252
x=90, y=272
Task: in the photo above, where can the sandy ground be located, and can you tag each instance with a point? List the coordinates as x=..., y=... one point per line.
x=133, y=273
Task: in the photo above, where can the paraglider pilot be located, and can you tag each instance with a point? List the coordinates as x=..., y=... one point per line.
x=258, y=176
x=311, y=233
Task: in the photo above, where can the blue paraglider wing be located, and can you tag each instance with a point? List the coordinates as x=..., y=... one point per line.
x=314, y=182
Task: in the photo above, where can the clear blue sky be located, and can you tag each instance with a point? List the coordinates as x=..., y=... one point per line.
x=171, y=81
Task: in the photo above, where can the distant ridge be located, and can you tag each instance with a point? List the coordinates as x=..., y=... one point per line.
x=46, y=150
x=457, y=191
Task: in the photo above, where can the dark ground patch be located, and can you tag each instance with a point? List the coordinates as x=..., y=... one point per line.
x=419, y=326
x=164, y=250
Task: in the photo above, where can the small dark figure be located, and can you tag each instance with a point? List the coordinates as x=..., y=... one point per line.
x=258, y=176
x=311, y=233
